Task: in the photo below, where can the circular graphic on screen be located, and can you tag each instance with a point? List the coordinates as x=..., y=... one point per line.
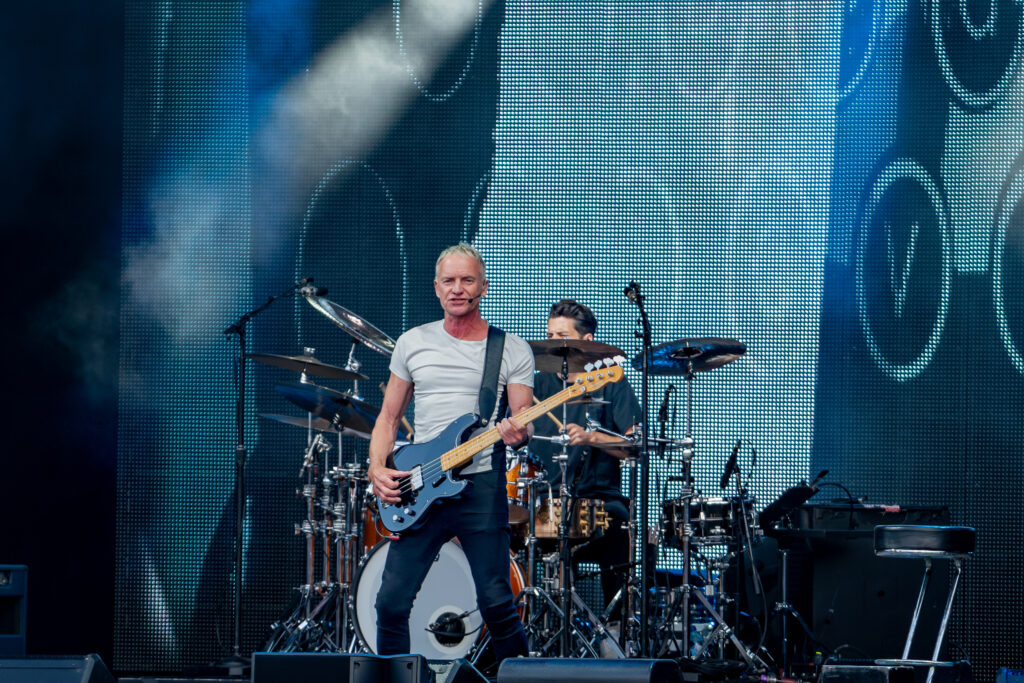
x=862, y=22
x=448, y=65
x=352, y=241
x=471, y=221
x=978, y=45
x=1008, y=264
x=903, y=269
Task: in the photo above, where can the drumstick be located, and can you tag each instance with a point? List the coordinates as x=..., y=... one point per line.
x=553, y=418
x=405, y=423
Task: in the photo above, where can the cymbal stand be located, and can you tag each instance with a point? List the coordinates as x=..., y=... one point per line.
x=632, y=292
x=353, y=365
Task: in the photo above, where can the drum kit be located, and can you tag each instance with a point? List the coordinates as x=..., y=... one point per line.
x=345, y=545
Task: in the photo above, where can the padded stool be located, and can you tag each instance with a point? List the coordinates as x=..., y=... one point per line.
x=954, y=543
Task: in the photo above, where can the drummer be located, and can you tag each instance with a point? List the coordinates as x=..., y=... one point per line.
x=591, y=472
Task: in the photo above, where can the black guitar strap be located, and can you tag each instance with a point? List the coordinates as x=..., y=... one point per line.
x=492, y=367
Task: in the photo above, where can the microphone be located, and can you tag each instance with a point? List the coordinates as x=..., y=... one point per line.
x=730, y=465
x=663, y=411
x=632, y=291
x=818, y=479
x=310, y=290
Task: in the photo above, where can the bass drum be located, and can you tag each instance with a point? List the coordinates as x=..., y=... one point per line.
x=447, y=592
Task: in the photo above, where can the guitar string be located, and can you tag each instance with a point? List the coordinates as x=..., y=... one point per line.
x=430, y=468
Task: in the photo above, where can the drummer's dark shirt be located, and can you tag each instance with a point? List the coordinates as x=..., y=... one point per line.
x=595, y=472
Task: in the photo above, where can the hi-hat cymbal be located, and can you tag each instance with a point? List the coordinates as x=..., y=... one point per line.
x=357, y=327
x=317, y=423
x=341, y=409
x=685, y=356
x=548, y=353
x=305, y=364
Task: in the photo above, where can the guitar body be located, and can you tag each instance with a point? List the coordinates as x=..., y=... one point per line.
x=430, y=482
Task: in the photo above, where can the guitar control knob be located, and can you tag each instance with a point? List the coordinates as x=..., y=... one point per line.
x=410, y=512
x=397, y=518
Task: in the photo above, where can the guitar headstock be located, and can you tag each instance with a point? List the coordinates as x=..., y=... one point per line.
x=595, y=375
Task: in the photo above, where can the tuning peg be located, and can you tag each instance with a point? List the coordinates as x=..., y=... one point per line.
x=598, y=364
x=589, y=367
x=620, y=360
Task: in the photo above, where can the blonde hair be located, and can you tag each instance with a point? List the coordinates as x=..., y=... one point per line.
x=463, y=249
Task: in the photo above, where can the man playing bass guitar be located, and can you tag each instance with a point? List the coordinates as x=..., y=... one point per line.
x=441, y=364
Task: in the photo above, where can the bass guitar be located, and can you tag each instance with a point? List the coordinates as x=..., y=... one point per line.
x=432, y=465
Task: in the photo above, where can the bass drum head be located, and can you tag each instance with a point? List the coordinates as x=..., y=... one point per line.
x=448, y=591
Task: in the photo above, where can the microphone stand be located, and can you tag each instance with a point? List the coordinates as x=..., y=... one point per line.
x=632, y=293
x=236, y=664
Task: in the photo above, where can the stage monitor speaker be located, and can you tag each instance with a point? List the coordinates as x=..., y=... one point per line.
x=390, y=669
x=299, y=667
x=337, y=667
x=13, y=603
x=541, y=670
x=78, y=669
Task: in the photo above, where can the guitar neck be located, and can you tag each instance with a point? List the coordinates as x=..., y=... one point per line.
x=463, y=453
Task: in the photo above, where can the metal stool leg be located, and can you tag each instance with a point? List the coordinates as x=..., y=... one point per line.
x=925, y=580
x=959, y=564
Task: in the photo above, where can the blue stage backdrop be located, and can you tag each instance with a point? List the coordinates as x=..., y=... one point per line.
x=839, y=185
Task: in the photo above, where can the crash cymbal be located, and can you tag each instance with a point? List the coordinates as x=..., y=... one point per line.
x=357, y=327
x=341, y=409
x=318, y=423
x=307, y=365
x=548, y=353
x=685, y=356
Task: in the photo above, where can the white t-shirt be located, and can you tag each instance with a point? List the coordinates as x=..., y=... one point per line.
x=446, y=374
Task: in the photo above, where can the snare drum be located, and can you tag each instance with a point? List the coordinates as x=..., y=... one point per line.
x=446, y=593
x=587, y=520
x=713, y=520
x=521, y=472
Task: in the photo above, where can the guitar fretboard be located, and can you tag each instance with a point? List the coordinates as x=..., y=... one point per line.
x=463, y=453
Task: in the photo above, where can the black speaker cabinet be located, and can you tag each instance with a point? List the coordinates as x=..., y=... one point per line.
x=13, y=601
x=541, y=670
x=87, y=669
x=323, y=667
x=298, y=667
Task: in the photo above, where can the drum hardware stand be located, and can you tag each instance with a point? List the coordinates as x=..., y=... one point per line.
x=569, y=600
x=722, y=631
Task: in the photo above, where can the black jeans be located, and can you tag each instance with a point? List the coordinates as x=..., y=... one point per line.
x=479, y=519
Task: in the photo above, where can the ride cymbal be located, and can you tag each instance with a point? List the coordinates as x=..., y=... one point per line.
x=341, y=409
x=307, y=365
x=685, y=356
x=317, y=423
